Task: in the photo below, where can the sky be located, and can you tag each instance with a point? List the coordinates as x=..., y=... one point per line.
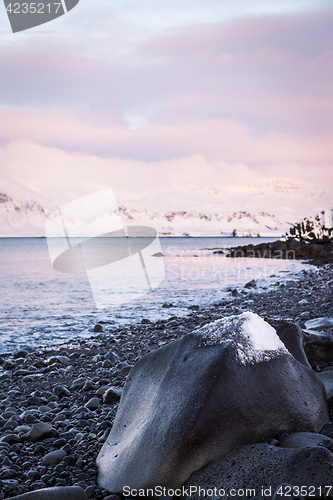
x=150, y=97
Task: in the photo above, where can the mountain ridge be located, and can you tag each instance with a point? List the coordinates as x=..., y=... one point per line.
x=27, y=218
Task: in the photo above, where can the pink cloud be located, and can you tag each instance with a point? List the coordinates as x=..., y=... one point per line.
x=257, y=91
x=218, y=139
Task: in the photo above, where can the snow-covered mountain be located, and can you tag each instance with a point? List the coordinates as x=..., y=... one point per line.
x=264, y=207
x=27, y=218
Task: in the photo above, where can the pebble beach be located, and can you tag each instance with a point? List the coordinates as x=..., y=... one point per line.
x=58, y=403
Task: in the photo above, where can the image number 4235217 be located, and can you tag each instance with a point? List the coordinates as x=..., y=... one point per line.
x=24, y=15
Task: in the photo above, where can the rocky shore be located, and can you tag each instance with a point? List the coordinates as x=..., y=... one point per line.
x=315, y=252
x=58, y=404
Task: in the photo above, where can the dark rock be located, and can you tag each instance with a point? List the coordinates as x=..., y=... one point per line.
x=327, y=379
x=302, y=440
x=172, y=322
x=8, y=473
x=125, y=369
x=292, y=337
x=88, y=386
x=250, y=284
x=54, y=457
x=235, y=293
x=111, y=356
x=270, y=467
x=63, y=360
x=99, y=328
x=318, y=346
x=327, y=430
x=34, y=400
x=29, y=418
x=93, y=404
x=8, y=365
x=61, y=391
x=38, y=431
x=33, y=475
x=145, y=321
x=10, y=439
x=238, y=367
x=56, y=493
x=21, y=354
x=112, y=395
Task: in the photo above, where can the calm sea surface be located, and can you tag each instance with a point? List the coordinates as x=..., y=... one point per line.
x=40, y=306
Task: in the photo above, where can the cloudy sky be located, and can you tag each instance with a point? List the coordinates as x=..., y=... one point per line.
x=153, y=96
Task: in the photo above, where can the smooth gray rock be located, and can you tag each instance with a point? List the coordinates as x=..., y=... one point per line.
x=318, y=346
x=54, y=457
x=38, y=431
x=303, y=440
x=56, y=493
x=93, y=404
x=319, y=324
x=229, y=383
x=261, y=465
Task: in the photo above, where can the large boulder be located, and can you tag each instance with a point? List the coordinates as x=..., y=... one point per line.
x=256, y=471
x=229, y=383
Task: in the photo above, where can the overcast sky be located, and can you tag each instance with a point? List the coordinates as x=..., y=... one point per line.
x=241, y=90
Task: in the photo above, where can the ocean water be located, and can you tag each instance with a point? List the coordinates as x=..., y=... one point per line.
x=40, y=306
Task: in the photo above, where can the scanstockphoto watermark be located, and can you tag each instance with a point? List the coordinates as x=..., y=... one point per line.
x=160, y=491
x=87, y=236
x=282, y=491
x=208, y=266
x=25, y=15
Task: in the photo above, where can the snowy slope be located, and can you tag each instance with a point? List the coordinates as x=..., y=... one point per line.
x=267, y=206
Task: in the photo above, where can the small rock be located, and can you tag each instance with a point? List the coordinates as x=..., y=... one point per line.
x=173, y=322
x=38, y=431
x=55, y=493
x=99, y=328
x=6, y=375
x=44, y=409
x=54, y=457
x=21, y=428
x=10, y=439
x=61, y=391
x=59, y=418
x=111, y=356
x=112, y=395
x=92, y=404
x=101, y=390
x=30, y=419
x=8, y=365
x=327, y=430
x=302, y=440
x=250, y=284
x=88, y=386
x=33, y=475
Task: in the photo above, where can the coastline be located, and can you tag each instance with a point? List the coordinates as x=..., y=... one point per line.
x=72, y=374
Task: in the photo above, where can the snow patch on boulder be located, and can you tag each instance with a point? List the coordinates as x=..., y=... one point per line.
x=254, y=338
